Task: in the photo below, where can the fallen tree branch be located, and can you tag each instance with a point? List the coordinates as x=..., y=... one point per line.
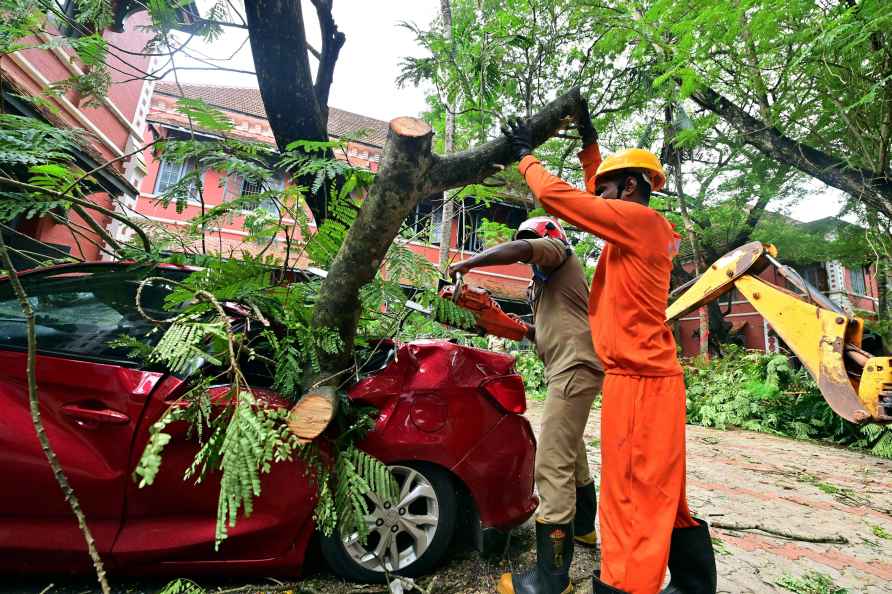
x=781, y=533
x=474, y=165
x=252, y=589
x=34, y=405
x=409, y=172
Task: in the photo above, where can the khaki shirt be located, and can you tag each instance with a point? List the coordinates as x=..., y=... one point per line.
x=560, y=309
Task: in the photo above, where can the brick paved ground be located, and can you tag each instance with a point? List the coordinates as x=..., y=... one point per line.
x=803, y=488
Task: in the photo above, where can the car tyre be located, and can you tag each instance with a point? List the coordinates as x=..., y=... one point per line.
x=417, y=530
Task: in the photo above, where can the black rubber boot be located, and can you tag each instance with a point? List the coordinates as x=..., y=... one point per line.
x=551, y=573
x=599, y=587
x=691, y=561
x=584, y=523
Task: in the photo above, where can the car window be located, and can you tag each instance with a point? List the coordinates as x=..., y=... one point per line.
x=78, y=312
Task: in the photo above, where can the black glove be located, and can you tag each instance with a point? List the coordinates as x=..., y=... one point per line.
x=518, y=133
x=586, y=128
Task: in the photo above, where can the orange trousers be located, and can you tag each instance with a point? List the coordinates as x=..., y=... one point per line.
x=642, y=479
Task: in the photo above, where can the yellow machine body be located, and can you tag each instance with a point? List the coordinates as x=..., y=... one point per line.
x=819, y=337
x=876, y=380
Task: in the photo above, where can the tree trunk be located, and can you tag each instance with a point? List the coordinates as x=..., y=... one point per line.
x=34, y=404
x=448, y=147
x=884, y=271
x=276, y=31
x=295, y=108
x=408, y=172
x=692, y=235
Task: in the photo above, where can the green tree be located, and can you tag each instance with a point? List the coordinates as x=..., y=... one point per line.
x=314, y=335
x=809, y=84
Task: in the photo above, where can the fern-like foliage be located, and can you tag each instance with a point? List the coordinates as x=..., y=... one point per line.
x=764, y=392
x=447, y=312
x=180, y=348
x=254, y=438
x=26, y=141
x=182, y=586
x=359, y=477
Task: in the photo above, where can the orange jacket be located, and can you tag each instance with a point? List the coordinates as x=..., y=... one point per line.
x=630, y=290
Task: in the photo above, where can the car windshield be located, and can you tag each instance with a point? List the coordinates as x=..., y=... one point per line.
x=79, y=311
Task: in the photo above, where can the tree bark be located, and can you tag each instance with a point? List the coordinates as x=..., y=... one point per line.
x=290, y=99
x=409, y=171
x=689, y=229
x=283, y=71
x=476, y=164
x=332, y=42
x=872, y=189
x=448, y=147
x=884, y=271
x=42, y=438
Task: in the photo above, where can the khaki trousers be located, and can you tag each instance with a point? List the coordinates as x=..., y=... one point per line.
x=561, y=462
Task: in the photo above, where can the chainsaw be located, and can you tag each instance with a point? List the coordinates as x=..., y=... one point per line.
x=488, y=314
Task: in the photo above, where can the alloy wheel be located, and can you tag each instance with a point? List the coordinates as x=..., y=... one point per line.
x=398, y=533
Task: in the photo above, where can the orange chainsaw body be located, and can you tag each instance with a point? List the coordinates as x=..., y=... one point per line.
x=489, y=315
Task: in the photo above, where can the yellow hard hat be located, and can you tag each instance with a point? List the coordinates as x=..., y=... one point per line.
x=636, y=159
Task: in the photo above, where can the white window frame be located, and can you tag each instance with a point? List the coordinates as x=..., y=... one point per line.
x=860, y=273
x=182, y=170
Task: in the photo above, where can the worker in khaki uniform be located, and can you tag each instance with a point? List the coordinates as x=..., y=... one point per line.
x=644, y=518
x=574, y=375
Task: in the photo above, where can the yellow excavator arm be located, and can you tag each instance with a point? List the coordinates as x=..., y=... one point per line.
x=856, y=384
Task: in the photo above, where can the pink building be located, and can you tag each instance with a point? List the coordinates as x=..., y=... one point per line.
x=114, y=127
x=364, y=147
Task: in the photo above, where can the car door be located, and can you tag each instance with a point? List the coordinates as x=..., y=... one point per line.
x=172, y=522
x=91, y=398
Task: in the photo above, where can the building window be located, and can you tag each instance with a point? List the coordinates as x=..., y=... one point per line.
x=856, y=278
x=816, y=276
x=237, y=186
x=169, y=173
x=471, y=216
x=251, y=188
x=436, y=224
x=425, y=220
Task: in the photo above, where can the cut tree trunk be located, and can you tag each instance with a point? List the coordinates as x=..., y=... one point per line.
x=312, y=414
x=408, y=172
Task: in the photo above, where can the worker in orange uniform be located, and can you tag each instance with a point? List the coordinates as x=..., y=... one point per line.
x=644, y=522
x=560, y=330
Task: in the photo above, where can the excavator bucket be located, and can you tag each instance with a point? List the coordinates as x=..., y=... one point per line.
x=817, y=336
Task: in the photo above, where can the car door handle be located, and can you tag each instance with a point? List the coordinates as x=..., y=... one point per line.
x=92, y=416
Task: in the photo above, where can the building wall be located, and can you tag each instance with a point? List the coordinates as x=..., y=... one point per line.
x=504, y=281
x=114, y=127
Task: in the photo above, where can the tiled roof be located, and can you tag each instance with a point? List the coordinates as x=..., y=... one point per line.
x=247, y=100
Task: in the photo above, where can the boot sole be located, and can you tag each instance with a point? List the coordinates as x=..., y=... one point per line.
x=502, y=590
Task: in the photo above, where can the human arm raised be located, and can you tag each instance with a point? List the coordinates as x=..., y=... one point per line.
x=502, y=254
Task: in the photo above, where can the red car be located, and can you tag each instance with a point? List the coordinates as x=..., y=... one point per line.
x=449, y=425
